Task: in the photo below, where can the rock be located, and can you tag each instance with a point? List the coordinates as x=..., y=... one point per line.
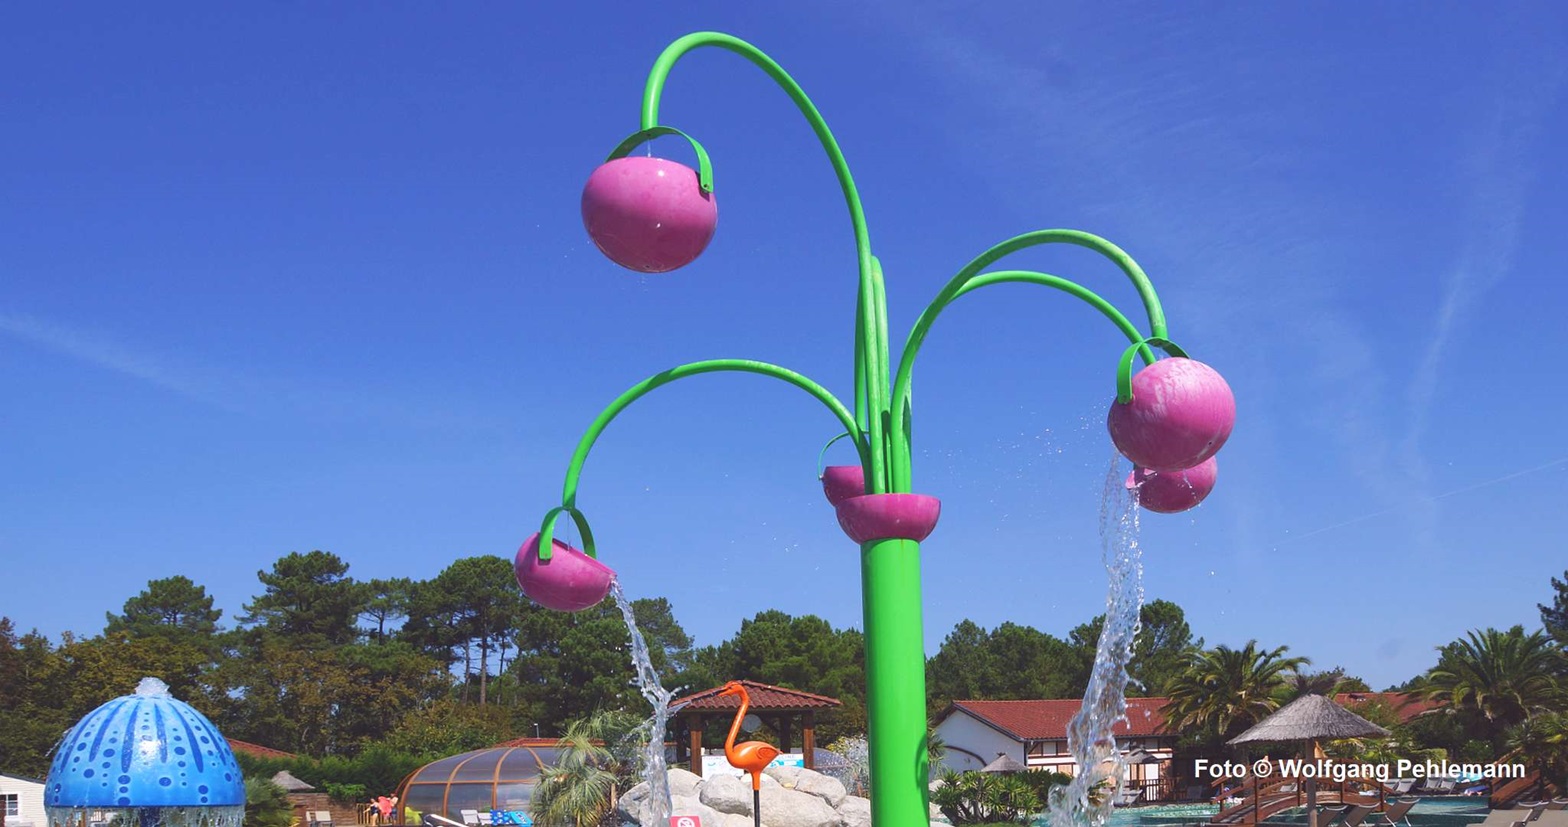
x=937, y=817
x=786, y=776
x=727, y=794
x=732, y=820
x=636, y=808
x=767, y=780
x=791, y=808
x=685, y=805
x=855, y=811
x=682, y=782
x=825, y=787
x=637, y=793
x=936, y=785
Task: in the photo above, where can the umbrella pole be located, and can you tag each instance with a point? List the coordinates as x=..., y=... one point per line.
x=1312, y=789
x=756, y=806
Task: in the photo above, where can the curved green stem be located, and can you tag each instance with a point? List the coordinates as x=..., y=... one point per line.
x=901, y=437
x=872, y=391
x=643, y=388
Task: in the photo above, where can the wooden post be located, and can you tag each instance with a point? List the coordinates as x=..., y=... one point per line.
x=784, y=733
x=809, y=739
x=696, y=744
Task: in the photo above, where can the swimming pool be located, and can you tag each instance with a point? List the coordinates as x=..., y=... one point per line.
x=1455, y=811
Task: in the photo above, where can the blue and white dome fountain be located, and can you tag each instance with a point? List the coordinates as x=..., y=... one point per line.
x=144, y=760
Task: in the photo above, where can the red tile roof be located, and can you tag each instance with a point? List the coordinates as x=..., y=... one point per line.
x=258, y=750
x=1047, y=720
x=1406, y=705
x=764, y=698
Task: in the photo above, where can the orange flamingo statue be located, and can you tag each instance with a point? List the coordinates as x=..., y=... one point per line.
x=752, y=756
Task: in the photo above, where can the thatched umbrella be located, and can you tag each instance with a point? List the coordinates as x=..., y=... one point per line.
x=1004, y=763
x=290, y=784
x=1310, y=719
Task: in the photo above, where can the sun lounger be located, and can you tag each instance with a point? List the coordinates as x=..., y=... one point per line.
x=1395, y=815
x=470, y=817
x=433, y=820
x=321, y=818
x=1535, y=808
x=1550, y=818
x=1330, y=816
x=1558, y=804
x=1357, y=814
x=1403, y=786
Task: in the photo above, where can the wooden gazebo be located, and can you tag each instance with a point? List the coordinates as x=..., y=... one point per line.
x=783, y=710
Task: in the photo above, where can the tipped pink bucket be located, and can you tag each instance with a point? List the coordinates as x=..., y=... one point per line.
x=871, y=517
x=569, y=581
x=1181, y=413
x=1172, y=492
x=840, y=482
x=648, y=214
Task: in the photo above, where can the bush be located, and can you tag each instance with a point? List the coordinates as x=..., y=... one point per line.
x=969, y=798
x=266, y=804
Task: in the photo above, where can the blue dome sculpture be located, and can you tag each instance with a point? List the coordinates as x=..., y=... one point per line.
x=146, y=752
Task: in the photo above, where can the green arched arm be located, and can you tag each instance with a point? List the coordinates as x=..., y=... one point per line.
x=871, y=363
x=658, y=380
x=967, y=280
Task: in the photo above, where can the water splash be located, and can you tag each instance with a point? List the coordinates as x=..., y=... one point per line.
x=1087, y=800
x=652, y=765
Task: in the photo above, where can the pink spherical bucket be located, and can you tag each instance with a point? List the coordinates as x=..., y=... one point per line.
x=1181, y=413
x=840, y=482
x=648, y=214
x=569, y=581
x=1172, y=492
x=871, y=517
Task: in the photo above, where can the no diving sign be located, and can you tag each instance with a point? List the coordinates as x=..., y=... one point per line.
x=685, y=821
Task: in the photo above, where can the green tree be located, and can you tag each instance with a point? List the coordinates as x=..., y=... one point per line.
x=1499, y=678
x=309, y=599
x=473, y=605
x=1013, y=662
x=171, y=607
x=31, y=714
x=1223, y=691
x=1555, y=616
x=804, y=653
x=1161, y=651
x=448, y=727
x=386, y=600
x=595, y=762
x=266, y=804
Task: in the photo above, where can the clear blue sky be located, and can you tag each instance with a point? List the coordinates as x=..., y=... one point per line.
x=300, y=276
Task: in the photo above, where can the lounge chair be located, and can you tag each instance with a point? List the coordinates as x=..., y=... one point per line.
x=1357, y=814
x=1330, y=816
x=1127, y=798
x=321, y=818
x=433, y=820
x=1535, y=808
x=1558, y=804
x=1550, y=818
x=470, y=817
x=1403, y=786
x=486, y=819
x=1395, y=815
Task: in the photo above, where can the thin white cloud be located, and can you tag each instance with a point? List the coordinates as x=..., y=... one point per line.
x=229, y=390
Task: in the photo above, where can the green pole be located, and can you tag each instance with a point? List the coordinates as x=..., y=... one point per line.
x=895, y=682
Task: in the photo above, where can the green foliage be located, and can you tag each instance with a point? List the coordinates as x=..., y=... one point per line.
x=596, y=761
x=1223, y=691
x=804, y=653
x=448, y=727
x=1555, y=617
x=308, y=599
x=473, y=607
x=1160, y=652
x=981, y=797
x=173, y=606
x=266, y=804
x=1498, y=679
x=344, y=793
x=376, y=770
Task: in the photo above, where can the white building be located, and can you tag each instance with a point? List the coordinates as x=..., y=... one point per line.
x=23, y=800
x=1034, y=733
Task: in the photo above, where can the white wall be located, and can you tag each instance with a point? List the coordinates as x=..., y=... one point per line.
x=963, y=734
x=30, y=800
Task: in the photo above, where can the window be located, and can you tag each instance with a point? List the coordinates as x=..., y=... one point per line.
x=12, y=806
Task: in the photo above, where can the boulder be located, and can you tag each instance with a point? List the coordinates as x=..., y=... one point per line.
x=732, y=820
x=727, y=794
x=791, y=808
x=786, y=776
x=825, y=787
x=634, y=807
x=855, y=811
x=683, y=782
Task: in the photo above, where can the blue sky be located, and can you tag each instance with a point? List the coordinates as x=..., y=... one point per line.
x=294, y=276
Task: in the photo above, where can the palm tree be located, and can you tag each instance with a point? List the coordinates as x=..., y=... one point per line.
x=1542, y=741
x=1299, y=684
x=1503, y=678
x=594, y=762
x=1224, y=690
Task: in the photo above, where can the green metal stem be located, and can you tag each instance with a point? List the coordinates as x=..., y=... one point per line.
x=895, y=682
x=960, y=284
x=872, y=386
x=643, y=388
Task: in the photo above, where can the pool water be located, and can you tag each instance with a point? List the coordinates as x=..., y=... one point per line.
x=1431, y=812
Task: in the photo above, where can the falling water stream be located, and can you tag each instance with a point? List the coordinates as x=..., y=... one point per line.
x=1087, y=800
x=653, y=766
